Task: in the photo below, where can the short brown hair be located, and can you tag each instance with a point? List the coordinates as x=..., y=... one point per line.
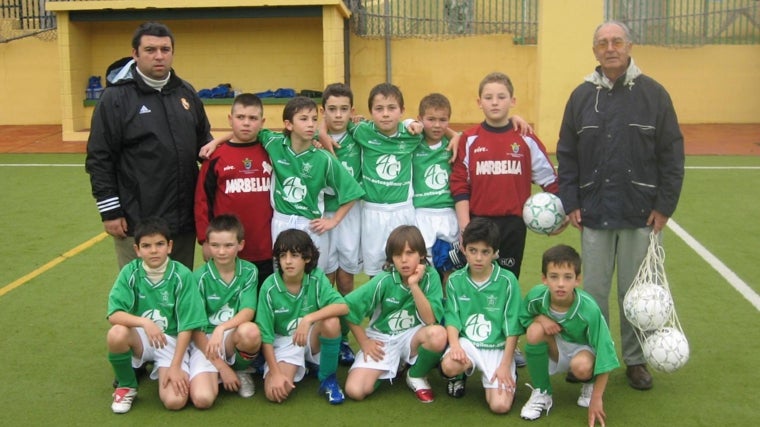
x=497, y=77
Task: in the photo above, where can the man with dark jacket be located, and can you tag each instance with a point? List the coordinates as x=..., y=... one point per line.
x=146, y=132
x=621, y=167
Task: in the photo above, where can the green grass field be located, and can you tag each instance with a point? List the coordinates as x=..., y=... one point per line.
x=53, y=366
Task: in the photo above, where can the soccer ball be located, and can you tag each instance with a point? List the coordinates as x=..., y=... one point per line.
x=666, y=349
x=543, y=213
x=648, y=307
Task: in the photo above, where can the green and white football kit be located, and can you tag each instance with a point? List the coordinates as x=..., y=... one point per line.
x=345, y=242
x=301, y=180
x=279, y=313
x=433, y=204
x=222, y=302
x=173, y=304
x=582, y=325
x=485, y=314
x=387, y=181
x=393, y=316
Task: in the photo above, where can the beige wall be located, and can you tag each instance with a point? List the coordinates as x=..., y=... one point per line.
x=712, y=84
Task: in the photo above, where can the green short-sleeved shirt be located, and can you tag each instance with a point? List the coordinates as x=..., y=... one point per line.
x=484, y=313
x=430, y=176
x=301, y=179
x=279, y=311
x=583, y=324
x=224, y=300
x=349, y=155
x=389, y=304
x=174, y=304
x=386, y=162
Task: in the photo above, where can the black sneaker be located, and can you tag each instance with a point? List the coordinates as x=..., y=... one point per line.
x=455, y=386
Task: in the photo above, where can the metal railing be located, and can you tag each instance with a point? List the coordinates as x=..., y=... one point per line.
x=444, y=18
x=30, y=14
x=689, y=22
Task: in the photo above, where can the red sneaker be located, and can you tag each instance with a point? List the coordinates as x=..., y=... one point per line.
x=421, y=388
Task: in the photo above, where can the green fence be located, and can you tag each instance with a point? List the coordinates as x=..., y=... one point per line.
x=689, y=22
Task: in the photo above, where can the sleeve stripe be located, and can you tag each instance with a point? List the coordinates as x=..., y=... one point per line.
x=108, y=204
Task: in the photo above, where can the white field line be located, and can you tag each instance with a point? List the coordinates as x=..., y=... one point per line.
x=69, y=165
x=747, y=292
x=723, y=167
x=55, y=165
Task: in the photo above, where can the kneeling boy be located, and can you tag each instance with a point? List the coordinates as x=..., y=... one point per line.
x=154, y=306
x=565, y=332
x=482, y=307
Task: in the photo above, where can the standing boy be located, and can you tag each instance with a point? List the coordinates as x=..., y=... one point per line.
x=387, y=149
x=153, y=307
x=230, y=340
x=431, y=169
x=237, y=179
x=297, y=313
x=303, y=174
x=482, y=309
x=494, y=168
x=343, y=256
x=566, y=332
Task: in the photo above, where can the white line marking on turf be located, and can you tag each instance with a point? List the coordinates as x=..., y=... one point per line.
x=58, y=165
x=52, y=263
x=723, y=167
x=738, y=284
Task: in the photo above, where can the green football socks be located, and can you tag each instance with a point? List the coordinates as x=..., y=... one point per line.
x=122, y=367
x=426, y=360
x=328, y=359
x=242, y=362
x=537, y=356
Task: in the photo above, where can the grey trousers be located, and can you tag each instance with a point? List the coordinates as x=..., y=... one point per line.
x=602, y=251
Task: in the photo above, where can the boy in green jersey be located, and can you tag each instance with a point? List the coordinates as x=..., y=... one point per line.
x=228, y=344
x=431, y=168
x=482, y=322
x=303, y=175
x=298, y=312
x=565, y=332
x=404, y=306
x=343, y=256
x=154, y=306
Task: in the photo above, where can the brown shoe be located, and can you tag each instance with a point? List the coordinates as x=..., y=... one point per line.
x=638, y=377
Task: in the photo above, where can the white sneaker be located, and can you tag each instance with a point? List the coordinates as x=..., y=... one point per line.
x=122, y=399
x=538, y=402
x=247, y=388
x=584, y=400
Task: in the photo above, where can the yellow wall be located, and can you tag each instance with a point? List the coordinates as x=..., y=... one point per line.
x=712, y=84
x=453, y=67
x=29, y=82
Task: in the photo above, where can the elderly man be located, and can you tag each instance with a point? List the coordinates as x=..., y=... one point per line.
x=621, y=168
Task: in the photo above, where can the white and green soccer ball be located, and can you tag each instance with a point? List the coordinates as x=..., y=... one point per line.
x=666, y=350
x=648, y=307
x=543, y=213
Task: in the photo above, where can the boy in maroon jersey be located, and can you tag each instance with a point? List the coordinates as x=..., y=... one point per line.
x=236, y=179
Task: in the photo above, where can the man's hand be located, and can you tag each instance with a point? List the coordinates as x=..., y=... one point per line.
x=657, y=221
x=575, y=219
x=116, y=227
